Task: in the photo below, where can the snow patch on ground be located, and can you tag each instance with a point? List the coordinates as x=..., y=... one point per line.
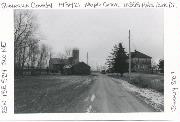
x=89, y=109
x=87, y=81
x=92, y=98
x=151, y=97
x=87, y=99
x=84, y=82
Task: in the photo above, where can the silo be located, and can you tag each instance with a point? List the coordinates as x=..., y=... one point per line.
x=75, y=55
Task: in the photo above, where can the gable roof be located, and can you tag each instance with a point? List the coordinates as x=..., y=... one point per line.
x=137, y=54
x=57, y=61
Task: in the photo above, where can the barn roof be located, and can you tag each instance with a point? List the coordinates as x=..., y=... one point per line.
x=57, y=61
x=137, y=54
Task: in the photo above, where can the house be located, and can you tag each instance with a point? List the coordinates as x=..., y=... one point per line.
x=140, y=62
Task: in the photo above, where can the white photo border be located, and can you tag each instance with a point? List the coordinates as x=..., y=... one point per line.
x=171, y=57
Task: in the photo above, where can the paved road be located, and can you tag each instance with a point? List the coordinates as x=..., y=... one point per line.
x=109, y=96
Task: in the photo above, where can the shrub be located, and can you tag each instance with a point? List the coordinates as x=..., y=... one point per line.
x=81, y=69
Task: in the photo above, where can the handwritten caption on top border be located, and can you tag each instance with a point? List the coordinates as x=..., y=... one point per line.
x=134, y=4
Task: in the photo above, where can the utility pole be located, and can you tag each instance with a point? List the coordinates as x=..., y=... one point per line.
x=50, y=55
x=129, y=57
x=87, y=58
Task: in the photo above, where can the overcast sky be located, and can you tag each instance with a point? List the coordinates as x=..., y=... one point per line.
x=96, y=31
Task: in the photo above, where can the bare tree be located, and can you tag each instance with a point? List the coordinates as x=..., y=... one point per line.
x=68, y=52
x=43, y=57
x=24, y=28
x=61, y=55
x=33, y=52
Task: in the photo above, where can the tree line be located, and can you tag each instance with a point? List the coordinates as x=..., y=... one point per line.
x=28, y=52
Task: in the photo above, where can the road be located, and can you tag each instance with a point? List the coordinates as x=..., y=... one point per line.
x=106, y=95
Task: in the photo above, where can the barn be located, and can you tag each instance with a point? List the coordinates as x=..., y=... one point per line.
x=56, y=64
x=70, y=65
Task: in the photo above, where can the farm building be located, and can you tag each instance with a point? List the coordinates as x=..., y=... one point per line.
x=70, y=65
x=140, y=62
x=57, y=64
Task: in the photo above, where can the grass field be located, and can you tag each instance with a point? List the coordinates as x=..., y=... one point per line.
x=50, y=93
x=143, y=80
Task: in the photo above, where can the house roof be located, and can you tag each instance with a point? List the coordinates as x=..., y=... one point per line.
x=137, y=54
x=57, y=61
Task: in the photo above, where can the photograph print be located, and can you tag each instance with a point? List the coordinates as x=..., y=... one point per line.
x=88, y=61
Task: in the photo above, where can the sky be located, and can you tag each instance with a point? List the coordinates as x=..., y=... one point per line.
x=97, y=31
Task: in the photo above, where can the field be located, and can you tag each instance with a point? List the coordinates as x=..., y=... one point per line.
x=50, y=93
x=143, y=80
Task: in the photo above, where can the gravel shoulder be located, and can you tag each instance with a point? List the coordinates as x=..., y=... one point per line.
x=149, y=96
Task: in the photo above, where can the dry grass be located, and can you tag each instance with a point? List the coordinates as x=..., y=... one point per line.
x=142, y=80
x=48, y=94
